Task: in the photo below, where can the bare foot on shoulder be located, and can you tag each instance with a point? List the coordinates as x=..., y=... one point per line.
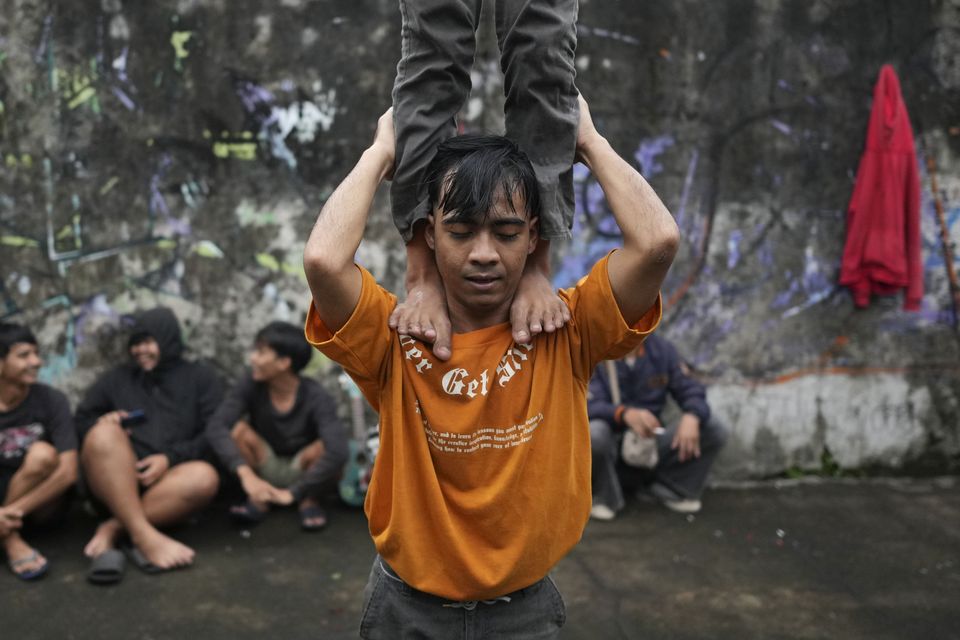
x=536, y=307
x=424, y=316
x=104, y=538
x=163, y=551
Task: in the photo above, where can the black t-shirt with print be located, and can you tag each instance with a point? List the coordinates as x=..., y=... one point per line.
x=43, y=415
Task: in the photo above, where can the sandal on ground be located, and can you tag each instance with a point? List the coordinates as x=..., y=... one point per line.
x=141, y=562
x=248, y=513
x=310, y=514
x=106, y=568
x=30, y=574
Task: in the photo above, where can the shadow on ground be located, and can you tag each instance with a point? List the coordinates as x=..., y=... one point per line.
x=870, y=560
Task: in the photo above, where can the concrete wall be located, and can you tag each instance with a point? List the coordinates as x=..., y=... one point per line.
x=177, y=152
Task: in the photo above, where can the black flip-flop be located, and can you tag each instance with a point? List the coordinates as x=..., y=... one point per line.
x=137, y=558
x=31, y=574
x=248, y=513
x=106, y=568
x=312, y=513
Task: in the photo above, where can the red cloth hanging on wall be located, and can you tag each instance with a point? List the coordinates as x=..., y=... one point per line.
x=882, y=251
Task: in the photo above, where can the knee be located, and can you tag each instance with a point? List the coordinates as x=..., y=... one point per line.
x=601, y=436
x=203, y=481
x=102, y=436
x=715, y=435
x=41, y=459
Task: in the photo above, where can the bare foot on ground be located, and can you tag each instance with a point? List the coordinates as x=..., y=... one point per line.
x=104, y=538
x=163, y=551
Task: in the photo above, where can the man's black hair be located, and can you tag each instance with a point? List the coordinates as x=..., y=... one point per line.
x=11, y=334
x=469, y=171
x=288, y=341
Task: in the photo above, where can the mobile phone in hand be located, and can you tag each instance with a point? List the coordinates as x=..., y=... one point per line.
x=134, y=417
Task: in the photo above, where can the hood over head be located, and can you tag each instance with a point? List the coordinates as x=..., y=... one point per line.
x=889, y=128
x=162, y=325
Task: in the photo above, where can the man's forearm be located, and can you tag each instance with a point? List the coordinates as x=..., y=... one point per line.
x=339, y=227
x=328, y=256
x=646, y=224
x=650, y=236
x=52, y=487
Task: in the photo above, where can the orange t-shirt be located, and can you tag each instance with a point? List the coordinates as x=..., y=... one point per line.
x=482, y=480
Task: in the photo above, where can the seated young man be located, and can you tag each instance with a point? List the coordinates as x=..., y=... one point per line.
x=143, y=447
x=38, y=448
x=685, y=450
x=482, y=480
x=278, y=431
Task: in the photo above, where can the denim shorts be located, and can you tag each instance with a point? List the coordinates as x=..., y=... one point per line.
x=393, y=609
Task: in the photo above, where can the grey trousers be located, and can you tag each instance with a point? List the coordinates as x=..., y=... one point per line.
x=393, y=610
x=538, y=40
x=684, y=478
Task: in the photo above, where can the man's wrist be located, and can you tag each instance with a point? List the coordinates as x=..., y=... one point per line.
x=588, y=149
x=245, y=471
x=382, y=158
x=618, y=414
x=692, y=417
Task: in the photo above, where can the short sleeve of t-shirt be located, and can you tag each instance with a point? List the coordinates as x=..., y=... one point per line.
x=49, y=408
x=60, y=427
x=600, y=332
x=361, y=345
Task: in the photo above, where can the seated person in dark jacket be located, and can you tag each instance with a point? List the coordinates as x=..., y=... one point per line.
x=148, y=468
x=278, y=431
x=686, y=450
x=38, y=448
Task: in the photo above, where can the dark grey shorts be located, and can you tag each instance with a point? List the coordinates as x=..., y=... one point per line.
x=394, y=609
x=538, y=40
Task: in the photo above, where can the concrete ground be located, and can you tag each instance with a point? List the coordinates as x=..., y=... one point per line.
x=867, y=559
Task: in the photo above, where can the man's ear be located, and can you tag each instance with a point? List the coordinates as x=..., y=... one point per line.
x=289, y=363
x=428, y=233
x=534, y=235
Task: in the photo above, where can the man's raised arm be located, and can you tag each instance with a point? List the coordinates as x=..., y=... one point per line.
x=650, y=235
x=328, y=256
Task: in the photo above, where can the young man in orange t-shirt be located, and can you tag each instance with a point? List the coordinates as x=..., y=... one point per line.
x=482, y=480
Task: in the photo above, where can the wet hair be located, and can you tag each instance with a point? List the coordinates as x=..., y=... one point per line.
x=468, y=173
x=287, y=341
x=11, y=334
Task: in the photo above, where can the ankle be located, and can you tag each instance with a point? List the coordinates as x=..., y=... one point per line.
x=142, y=533
x=420, y=278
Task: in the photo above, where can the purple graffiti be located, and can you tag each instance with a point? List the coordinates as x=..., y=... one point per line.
x=158, y=204
x=44, y=39
x=687, y=184
x=733, y=248
x=781, y=126
x=646, y=154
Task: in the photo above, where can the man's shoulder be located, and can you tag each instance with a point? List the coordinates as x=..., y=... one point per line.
x=312, y=390
x=198, y=368
x=47, y=395
x=117, y=372
x=375, y=302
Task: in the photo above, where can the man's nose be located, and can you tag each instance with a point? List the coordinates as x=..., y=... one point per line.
x=484, y=249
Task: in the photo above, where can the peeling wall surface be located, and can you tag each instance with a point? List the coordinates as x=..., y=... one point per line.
x=177, y=153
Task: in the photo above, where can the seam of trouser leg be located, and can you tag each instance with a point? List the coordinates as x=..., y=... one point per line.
x=554, y=170
x=409, y=202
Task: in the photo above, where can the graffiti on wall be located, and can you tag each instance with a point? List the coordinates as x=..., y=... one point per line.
x=176, y=153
